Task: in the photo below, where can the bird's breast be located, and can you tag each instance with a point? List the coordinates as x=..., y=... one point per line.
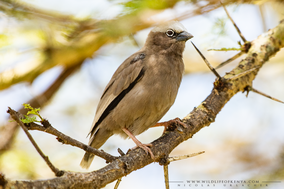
x=163, y=76
x=165, y=72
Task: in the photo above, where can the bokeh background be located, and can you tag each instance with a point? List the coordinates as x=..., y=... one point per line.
x=87, y=40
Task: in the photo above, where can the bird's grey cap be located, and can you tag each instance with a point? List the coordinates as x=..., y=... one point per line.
x=174, y=25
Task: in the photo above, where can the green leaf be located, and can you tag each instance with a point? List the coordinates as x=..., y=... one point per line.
x=33, y=111
x=28, y=119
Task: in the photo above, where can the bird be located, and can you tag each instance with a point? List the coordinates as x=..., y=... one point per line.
x=142, y=89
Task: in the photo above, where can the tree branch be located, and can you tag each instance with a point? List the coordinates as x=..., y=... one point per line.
x=60, y=136
x=14, y=115
x=264, y=47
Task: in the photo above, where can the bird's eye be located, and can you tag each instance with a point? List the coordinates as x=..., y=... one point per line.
x=170, y=33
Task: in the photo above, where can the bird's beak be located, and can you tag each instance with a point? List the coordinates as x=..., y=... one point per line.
x=184, y=36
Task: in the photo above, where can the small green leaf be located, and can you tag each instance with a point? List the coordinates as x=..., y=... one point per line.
x=33, y=111
x=28, y=119
x=219, y=26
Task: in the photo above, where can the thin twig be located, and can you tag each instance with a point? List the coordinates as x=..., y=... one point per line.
x=15, y=116
x=117, y=183
x=237, y=28
x=166, y=175
x=245, y=47
x=229, y=60
x=243, y=73
x=207, y=63
x=249, y=88
x=176, y=158
x=68, y=140
x=120, y=152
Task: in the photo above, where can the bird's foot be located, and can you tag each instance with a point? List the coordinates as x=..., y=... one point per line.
x=178, y=120
x=145, y=148
x=139, y=144
x=167, y=124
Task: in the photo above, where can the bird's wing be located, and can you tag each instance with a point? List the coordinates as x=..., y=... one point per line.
x=122, y=81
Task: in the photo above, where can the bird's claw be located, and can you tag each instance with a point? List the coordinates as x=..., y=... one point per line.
x=178, y=120
x=167, y=124
x=146, y=149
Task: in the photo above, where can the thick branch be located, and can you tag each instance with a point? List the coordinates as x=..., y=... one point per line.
x=264, y=47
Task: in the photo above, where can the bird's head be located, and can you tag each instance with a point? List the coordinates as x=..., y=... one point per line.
x=168, y=37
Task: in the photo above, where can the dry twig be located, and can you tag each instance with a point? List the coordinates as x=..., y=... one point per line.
x=166, y=176
x=229, y=60
x=249, y=88
x=15, y=116
x=175, y=158
x=68, y=140
x=235, y=25
x=207, y=63
x=117, y=183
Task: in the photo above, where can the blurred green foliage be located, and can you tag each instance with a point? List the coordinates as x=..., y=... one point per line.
x=219, y=26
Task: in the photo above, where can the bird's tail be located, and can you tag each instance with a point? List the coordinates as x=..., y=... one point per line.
x=87, y=160
x=96, y=141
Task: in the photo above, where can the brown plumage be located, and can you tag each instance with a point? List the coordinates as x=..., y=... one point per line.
x=142, y=89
